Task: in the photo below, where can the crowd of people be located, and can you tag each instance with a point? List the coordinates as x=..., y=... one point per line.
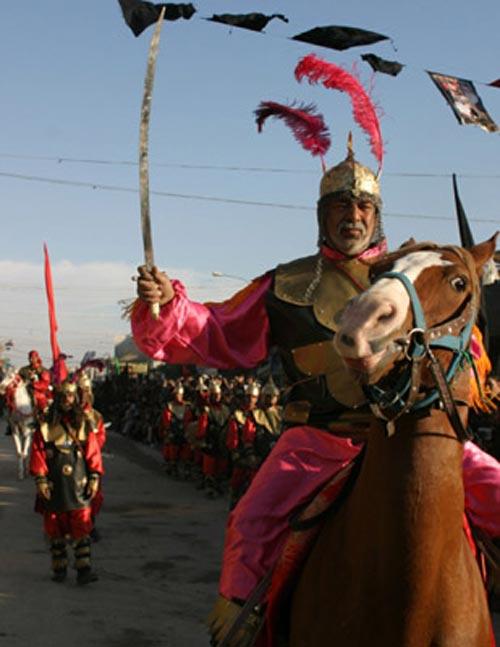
x=212, y=430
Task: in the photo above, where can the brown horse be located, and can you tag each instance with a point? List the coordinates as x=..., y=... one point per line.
x=393, y=567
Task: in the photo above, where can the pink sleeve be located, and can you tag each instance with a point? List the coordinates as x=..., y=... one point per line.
x=231, y=334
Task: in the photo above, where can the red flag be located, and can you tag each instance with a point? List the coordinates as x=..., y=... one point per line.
x=58, y=364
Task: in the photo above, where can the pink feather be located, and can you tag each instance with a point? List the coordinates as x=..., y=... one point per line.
x=336, y=78
x=308, y=128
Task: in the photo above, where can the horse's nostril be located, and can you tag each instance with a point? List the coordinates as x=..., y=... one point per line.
x=347, y=340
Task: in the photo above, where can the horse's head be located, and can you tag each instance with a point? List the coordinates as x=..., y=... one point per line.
x=419, y=293
x=7, y=379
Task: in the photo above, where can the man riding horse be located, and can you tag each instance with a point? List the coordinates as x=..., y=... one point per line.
x=296, y=308
x=37, y=379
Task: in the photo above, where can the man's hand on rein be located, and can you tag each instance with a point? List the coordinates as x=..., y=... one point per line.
x=154, y=286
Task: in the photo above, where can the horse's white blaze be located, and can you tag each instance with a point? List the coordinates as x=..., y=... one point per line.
x=392, y=289
x=383, y=308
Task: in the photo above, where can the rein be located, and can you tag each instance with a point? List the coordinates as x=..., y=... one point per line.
x=418, y=345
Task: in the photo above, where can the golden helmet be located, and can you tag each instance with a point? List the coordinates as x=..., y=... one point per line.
x=67, y=387
x=350, y=176
x=215, y=386
x=270, y=389
x=179, y=388
x=84, y=382
x=252, y=389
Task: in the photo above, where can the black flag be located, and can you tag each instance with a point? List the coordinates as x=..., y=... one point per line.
x=139, y=15
x=489, y=313
x=381, y=65
x=252, y=21
x=337, y=37
x=466, y=237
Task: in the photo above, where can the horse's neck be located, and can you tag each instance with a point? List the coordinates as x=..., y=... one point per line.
x=22, y=399
x=413, y=483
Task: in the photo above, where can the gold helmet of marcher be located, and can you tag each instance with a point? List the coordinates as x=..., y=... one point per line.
x=67, y=387
x=351, y=177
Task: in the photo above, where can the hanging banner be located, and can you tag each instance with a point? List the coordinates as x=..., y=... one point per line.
x=252, y=21
x=339, y=37
x=393, y=68
x=463, y=99
x=139, y=15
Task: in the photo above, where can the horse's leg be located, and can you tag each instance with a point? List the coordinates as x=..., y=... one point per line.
x=18, y=442
x=27, y=438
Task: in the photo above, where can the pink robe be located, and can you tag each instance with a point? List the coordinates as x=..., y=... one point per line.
x=236, y=333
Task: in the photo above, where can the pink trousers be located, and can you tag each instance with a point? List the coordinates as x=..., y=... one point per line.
x=301, y=462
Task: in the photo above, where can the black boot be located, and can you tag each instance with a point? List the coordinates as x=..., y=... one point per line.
x=84, y=572
x=85, y=576
x=59, y=560
x=59, y=575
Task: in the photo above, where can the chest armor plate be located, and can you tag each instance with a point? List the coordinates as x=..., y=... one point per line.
x=67, y=469
x=303, y=327
x=218, y=416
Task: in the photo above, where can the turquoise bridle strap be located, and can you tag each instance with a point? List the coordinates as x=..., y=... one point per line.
x=418, y=313
x=456, y=343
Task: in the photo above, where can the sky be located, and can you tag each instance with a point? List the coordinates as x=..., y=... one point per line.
x=223, y=197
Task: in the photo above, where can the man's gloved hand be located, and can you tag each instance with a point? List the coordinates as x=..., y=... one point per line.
x=92, y=487
x=221, y=619
x=43, y=488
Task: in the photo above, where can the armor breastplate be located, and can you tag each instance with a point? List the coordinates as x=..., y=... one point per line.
x=218, y=416
x=303, y=327
x=67, y=469
x=178, y=410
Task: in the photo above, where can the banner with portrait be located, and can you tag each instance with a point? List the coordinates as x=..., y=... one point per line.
x=463, y=99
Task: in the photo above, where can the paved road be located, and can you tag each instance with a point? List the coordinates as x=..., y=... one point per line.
x=158, y=561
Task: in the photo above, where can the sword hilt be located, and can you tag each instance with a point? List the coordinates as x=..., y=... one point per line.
x=155, y=310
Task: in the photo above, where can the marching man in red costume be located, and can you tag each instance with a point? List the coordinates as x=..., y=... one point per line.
x=294, y=307
x=175, y=418
x=67, y=466
x=241, y=436
x=210, y=436
x=95, y=423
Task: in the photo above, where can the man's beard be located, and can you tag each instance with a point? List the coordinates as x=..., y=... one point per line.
x=72, y=413
x=354, y=245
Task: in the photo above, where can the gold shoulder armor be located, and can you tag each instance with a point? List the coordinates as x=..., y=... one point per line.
x=339, y=283
x=240, y=417
x=261, y=419
x=291, y=280
x=44, y=430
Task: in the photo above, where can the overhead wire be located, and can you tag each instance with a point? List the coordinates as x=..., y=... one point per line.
x=205, y=198
x=230, y=168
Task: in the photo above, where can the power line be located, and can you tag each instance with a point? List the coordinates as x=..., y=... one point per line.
x=232, y=168
x=205, y=198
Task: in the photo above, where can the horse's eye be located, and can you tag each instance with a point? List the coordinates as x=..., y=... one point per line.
x=459, y=283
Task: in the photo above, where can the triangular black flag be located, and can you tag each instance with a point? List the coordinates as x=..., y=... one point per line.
x=252, y=21
x=489, y=311
x=140, y=15
x=466, y=237
x=338, y=37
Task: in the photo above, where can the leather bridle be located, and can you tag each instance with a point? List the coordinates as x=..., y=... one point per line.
x=418, y=344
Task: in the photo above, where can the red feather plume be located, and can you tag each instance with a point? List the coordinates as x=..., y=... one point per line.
x=336, y=78
x=308, y=128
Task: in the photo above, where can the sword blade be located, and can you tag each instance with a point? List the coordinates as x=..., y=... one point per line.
x=147, y=238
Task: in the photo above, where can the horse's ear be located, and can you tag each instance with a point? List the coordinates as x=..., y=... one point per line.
x=483, y=252
x=408, y=243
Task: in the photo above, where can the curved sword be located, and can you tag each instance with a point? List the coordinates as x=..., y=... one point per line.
x=147, y=238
